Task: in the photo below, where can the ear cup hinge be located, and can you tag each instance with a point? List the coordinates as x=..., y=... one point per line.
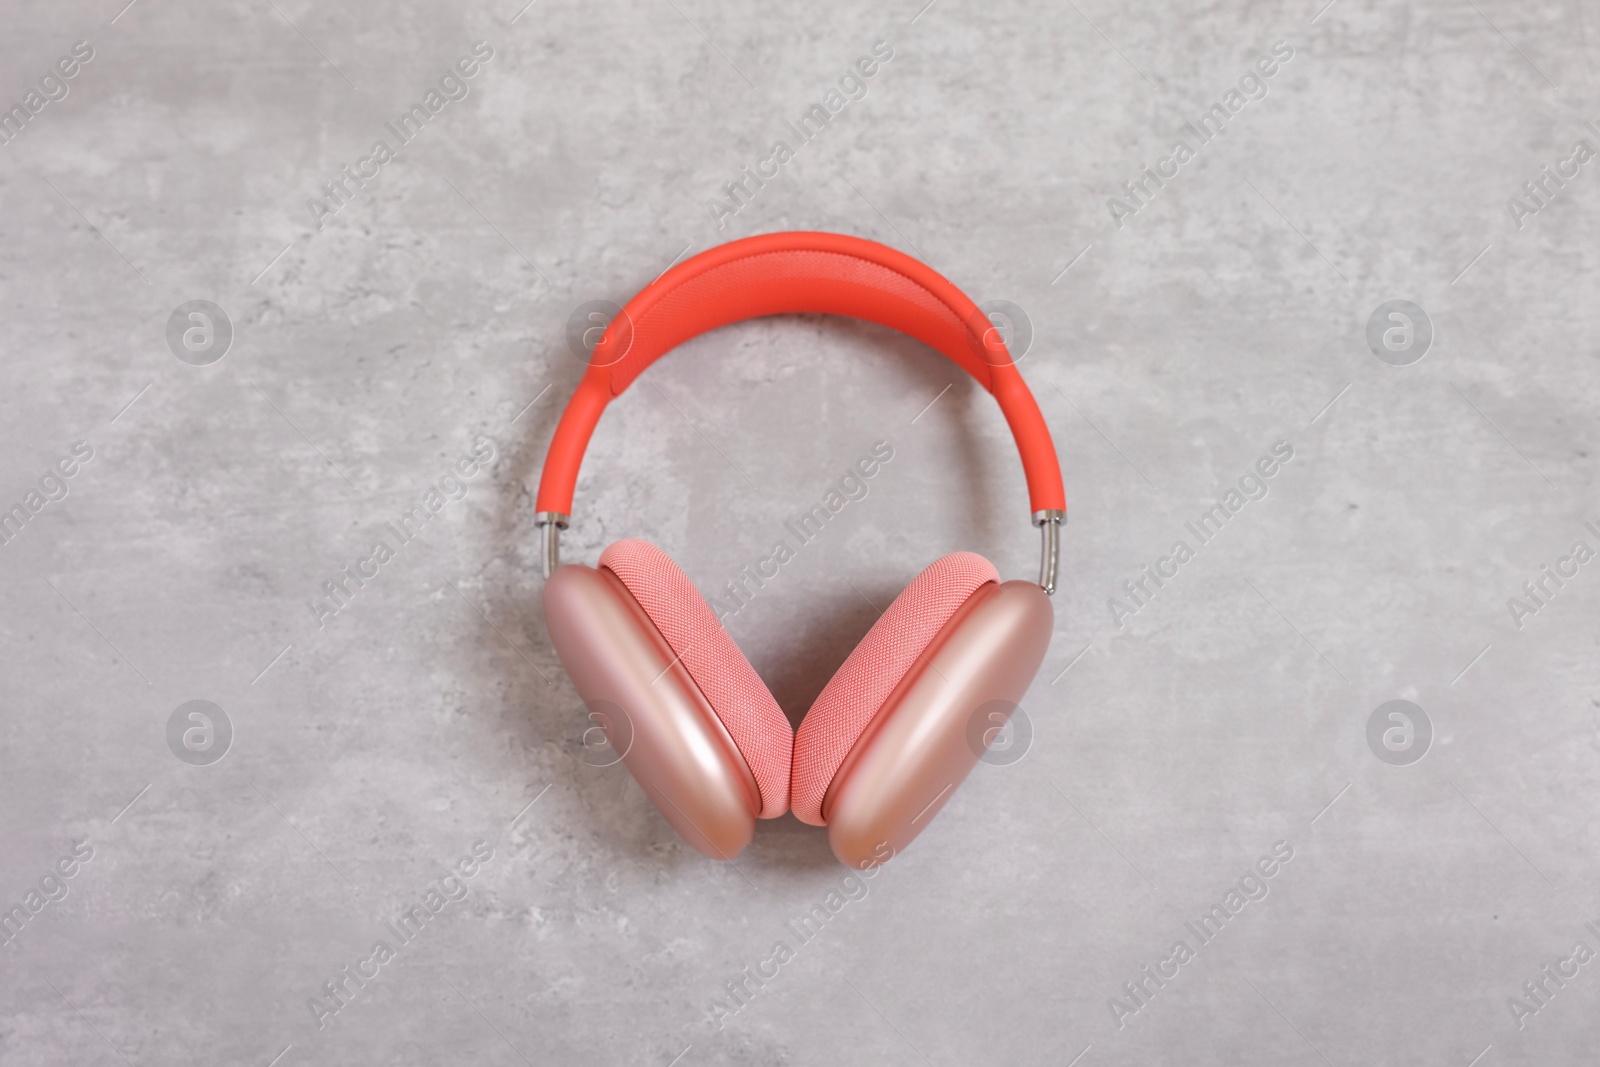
x=552, y=522
x=1049, y=523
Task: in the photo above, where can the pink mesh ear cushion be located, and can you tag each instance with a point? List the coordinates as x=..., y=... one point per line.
x=730, y=685
x=855, y=693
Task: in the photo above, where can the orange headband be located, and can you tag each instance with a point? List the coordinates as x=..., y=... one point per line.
x=783, y=273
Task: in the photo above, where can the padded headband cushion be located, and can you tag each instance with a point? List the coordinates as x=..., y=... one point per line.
x=775, y=283
x=883, y=658
x=725, y=678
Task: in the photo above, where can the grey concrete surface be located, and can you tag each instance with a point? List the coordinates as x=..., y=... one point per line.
x=1175, y=742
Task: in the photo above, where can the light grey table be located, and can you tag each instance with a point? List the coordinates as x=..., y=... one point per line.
x=373, y=332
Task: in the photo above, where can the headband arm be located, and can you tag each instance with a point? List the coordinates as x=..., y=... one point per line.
x=801, y=272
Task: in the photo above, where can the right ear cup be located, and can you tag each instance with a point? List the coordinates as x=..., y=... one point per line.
x=901, y=722
x=695, y=724
x=864, y=681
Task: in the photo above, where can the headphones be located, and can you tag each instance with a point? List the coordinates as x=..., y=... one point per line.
x=911, y=710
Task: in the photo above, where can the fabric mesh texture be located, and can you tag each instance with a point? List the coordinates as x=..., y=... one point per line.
x=730, y=685
x=858, y=689
x=770, y=283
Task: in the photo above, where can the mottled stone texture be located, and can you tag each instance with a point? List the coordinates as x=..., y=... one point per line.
x=1176, y=739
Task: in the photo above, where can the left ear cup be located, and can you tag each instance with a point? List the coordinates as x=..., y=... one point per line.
x=693, y=722
x=892, y=733
x=719, y=669
x=635, y=688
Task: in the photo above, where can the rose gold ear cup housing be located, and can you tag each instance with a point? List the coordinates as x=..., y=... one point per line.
x=908, y=761
x=902, y=769
x=673, y=742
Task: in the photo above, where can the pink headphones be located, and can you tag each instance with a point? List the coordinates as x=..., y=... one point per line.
x=889, y=737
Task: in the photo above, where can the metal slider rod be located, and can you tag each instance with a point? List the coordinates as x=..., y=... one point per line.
x=1049, y=523
x=552, y=522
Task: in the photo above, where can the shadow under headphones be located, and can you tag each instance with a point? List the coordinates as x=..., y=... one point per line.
x=891, y=735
